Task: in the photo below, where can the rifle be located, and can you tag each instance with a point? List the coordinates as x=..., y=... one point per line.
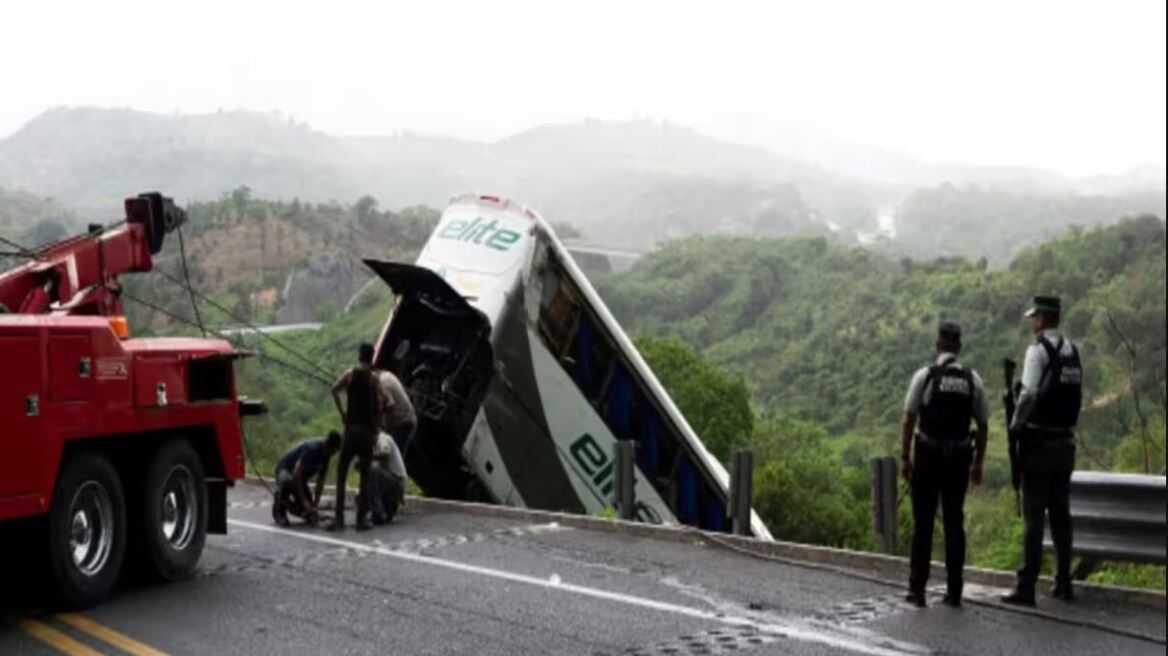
x=1008, y=399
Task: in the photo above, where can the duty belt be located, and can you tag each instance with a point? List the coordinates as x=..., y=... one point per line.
x=1050, y=432
x=944, y=447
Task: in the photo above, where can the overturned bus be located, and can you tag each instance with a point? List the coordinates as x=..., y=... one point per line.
x=523, y=381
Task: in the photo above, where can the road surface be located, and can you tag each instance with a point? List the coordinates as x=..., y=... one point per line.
x=447, y=582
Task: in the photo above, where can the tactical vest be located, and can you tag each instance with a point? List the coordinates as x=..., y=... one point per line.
x=949, y=408
x=362, y=407
x=1060, y=392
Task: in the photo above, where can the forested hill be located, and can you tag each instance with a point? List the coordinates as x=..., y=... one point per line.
x=831, y=334
x=996, y=224
x=279, y=261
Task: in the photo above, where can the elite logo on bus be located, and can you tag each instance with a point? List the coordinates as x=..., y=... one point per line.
x=483, y=233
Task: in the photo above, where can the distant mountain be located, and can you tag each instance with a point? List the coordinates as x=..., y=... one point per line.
x=809, y=142
x=31, y=220
x=594, y=174
x=636, y=183
x=982, y=222
x=91, y=158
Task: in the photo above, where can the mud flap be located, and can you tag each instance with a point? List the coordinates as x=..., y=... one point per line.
x=217, y=507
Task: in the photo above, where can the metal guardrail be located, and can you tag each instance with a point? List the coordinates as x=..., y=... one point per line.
x=1117, y=518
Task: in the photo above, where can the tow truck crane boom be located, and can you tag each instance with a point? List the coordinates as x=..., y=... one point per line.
x=79, y=275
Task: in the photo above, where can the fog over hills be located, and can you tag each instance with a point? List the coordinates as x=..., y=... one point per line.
x=633, y=183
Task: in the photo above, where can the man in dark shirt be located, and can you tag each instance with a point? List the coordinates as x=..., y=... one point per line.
x=360, y=412
x=306, y=460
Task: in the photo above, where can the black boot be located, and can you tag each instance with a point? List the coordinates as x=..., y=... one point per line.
x=1019, y=597
x=916, y=598
x=953, y=590
x=1063, y=591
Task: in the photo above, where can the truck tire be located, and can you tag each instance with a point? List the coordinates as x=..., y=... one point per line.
x=87, y=530
x=174, y=512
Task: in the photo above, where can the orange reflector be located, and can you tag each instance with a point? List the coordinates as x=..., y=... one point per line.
x=120, y=327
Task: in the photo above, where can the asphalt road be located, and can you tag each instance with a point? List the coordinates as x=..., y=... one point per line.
x=456, y=583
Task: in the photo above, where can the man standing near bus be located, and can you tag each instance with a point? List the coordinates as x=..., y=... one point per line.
x=360, y=413
x=398, y=417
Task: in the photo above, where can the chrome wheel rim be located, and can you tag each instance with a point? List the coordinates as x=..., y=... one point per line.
x=179, y=508
x=91, y=528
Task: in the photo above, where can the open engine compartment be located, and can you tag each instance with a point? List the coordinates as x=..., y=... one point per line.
x=439, y=347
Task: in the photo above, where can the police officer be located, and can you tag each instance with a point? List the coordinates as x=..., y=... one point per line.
x=1044, y=421
x=943, y=400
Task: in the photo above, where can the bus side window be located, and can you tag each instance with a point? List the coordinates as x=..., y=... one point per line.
x=559, y=317
x=687, y=492
x=602, y=367
x=713, y=510
x=618, y=403
x=648, y=439
x=584, y=375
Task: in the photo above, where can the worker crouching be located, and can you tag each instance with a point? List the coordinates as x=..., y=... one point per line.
x=387, y=480
x=309, y=459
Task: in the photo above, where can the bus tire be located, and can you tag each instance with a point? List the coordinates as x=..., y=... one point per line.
x=87, y=530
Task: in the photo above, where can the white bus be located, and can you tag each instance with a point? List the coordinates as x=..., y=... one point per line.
x=523, y=380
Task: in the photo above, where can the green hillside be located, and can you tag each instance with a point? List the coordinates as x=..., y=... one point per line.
x=830, y=335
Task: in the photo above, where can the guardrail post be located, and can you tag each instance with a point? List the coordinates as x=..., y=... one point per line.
x=882, y=479
x=623, y=455
x=741, y=490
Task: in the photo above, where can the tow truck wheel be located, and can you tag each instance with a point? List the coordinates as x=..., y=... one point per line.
x=174, y=526
x=87, y=530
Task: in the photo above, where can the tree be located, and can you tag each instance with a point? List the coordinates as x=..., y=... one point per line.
x=365, y=209
x=715, y=403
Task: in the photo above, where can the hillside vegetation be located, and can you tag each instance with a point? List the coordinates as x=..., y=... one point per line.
x=275, y=260
x=32, y=220
x=830, y=334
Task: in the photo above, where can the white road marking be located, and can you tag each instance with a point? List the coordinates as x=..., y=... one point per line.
x=776, y=628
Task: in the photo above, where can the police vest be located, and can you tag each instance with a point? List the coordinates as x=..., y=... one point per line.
x=1060, y=392
x=947, y=402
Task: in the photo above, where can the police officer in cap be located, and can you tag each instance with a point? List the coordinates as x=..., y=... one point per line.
x=1044, y=421
x=944, y=399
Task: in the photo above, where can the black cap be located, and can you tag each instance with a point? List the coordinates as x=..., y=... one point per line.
x=1045, y=305
x=949, y=330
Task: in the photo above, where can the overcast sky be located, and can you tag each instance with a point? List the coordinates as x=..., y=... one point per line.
x=1074, y=86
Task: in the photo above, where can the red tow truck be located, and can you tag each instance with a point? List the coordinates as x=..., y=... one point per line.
x=118, y=450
